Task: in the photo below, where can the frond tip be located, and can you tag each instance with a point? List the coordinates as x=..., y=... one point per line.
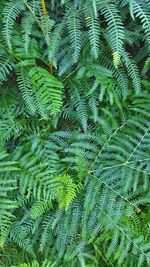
x=65, y=191
x=116, y=59
x=114, y=31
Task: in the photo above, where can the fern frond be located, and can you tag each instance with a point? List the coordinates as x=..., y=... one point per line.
x=39, y=208
x=6, y=66
x=74, y=25
x=94, y=33
x=80, y=105
x=27, y=24
x=11, y=11
x=54, y=44
x=65, y=191
x=115, y=31
x=132, y=71
x=7, y=204
x=94, y=5
x=25, y=87
x=141, y=10
x=48, y=87
x=45, y=263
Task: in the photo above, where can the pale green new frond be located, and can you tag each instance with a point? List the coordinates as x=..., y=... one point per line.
x=65, y=191
x=48, y=87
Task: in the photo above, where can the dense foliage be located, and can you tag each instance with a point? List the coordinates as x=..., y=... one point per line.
x=74, y=133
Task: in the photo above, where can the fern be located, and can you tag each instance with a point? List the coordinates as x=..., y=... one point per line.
x=54, y=46
x=27, y=25
x=46, y=263
x=94, y=32
x=132, y=71
x=6, y=66
x=94, y=6
x=141, y=10
x=66, y=191
x=24, y=84
x=115, y=31
x=74, y=133
x=11, y=12
x=75, y=33
x=7, y=205
x=48, y=87
x=79, y=103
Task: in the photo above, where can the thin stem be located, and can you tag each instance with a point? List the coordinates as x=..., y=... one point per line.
x=124, y=233
x=126, y=164
x=70, y=74
x=138, y=144
x=105, y=145
x=117, y=193
x=30, y=9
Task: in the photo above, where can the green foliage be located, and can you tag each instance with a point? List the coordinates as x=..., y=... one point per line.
x=7, y=204
x=75, y=33
x=11, y=11
x=115, y=33
x=36, y=264
x=141, y=11
x=74, y=133
x=65, y=192
x=48, y=88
